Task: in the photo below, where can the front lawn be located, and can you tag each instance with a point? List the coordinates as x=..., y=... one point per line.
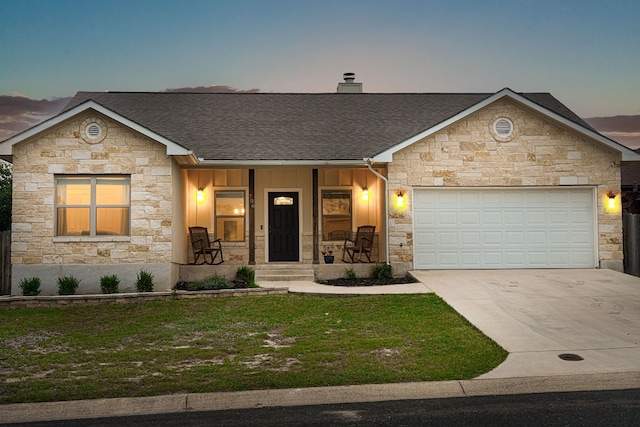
x=232, y=344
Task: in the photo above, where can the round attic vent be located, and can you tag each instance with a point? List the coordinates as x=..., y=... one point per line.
x=503, y=127
x=93, y=130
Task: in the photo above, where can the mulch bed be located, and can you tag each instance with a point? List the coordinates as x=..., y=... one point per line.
x=367, y=281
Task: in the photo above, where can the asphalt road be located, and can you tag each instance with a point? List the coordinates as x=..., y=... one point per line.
x=594, y=408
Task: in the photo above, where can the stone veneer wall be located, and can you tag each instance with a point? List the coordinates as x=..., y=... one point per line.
x=540, y=153
x=35, y=249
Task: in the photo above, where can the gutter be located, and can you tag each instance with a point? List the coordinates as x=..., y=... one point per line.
x=267, y=163
x=386, y=206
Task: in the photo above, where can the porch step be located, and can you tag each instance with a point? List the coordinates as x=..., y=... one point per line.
x=283, y=273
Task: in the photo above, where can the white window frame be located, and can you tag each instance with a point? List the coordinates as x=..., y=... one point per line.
x=93, y=206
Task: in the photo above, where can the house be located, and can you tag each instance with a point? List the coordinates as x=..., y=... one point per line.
x=450, y=180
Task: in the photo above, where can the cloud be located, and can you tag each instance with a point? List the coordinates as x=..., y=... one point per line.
x=18, y=112
x=212, y=89
x=623, y=129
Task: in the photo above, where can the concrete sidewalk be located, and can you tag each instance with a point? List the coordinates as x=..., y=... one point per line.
x=302, y=287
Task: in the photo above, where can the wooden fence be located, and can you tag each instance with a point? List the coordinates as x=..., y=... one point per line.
x=5, y=262
x=631, y=242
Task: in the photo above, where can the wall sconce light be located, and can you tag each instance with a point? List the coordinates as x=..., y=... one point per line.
x=200, y=196
x=400, y=199
x=612, y=200
x=365, y=195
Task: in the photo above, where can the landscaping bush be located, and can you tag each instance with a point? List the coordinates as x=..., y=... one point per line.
x=144, y=282
x=68, y=285
x=109, y=284
x=246, y=277
x=350, y=273
x=211, y=283
x=30, y=287
x=382, y=271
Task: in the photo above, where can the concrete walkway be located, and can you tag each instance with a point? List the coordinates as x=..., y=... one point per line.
x=534, y=314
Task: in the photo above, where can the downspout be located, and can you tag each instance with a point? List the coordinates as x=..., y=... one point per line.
x=386, y=207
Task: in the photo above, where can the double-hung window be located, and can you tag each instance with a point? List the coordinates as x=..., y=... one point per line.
x=93, y=205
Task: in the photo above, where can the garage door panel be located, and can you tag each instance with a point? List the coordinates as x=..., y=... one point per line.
x=448, y=238
x=504, y=228
x=491, y=217
x=447, y=218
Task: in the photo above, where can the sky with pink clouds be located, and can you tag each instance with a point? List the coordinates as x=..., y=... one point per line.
x=586, y=53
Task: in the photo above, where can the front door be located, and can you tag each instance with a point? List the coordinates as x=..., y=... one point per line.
x=284, y=236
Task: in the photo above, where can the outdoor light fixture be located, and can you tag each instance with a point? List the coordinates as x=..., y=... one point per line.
x=200, y=195
x=400, y=199
x=612, y=200
x=365, y=195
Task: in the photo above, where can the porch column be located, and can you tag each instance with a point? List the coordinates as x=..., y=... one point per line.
x=252, y=218
x=314, y=192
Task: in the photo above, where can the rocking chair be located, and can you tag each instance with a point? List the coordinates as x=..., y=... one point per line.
x=361, y=245
x=202, y=246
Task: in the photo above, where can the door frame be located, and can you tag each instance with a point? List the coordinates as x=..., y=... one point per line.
x=297, y=190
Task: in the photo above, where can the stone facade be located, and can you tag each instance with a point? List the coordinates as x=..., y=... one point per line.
x=63, y=150
x=539, y=153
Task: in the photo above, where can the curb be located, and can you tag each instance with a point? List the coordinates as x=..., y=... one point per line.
x=118, y=407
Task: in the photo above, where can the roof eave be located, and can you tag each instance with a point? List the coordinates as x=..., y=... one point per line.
x=173, y=148
x=627, y=153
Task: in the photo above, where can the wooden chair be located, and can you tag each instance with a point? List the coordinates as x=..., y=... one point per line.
x=202, y=246
x=361, y=245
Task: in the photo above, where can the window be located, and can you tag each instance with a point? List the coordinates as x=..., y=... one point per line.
x=229, y=215
x=336, y=214
x=92, y=205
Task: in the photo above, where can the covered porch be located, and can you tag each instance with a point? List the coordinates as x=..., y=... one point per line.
x=283, y=214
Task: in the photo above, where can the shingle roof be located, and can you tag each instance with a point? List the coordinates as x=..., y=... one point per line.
x=313, y=127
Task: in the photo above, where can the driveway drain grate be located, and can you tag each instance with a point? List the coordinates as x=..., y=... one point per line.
x=570, y=357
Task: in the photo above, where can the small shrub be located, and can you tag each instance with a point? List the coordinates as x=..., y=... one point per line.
x=109, y=284
x=68, y=285
x=210, y=283
x=382, y=271
x=350, y=273
x=246, y=276
x=30, y=287
x=144, y=282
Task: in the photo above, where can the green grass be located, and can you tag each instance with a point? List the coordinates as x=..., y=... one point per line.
x=232, y=344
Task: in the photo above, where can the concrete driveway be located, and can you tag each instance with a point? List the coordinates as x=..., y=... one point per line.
x=536, y=315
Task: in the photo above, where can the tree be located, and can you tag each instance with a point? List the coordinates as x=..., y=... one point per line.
x=6, y=183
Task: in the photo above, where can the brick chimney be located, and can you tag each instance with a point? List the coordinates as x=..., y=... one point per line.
x=349, y=85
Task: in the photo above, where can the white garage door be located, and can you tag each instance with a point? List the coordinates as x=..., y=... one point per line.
x=504, y=228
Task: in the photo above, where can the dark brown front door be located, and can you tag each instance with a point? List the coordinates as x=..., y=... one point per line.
x=284, y=237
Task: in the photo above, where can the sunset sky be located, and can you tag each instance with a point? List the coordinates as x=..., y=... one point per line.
x=586, y=53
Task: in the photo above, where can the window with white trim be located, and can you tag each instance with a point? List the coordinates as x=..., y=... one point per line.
x=93, y=205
